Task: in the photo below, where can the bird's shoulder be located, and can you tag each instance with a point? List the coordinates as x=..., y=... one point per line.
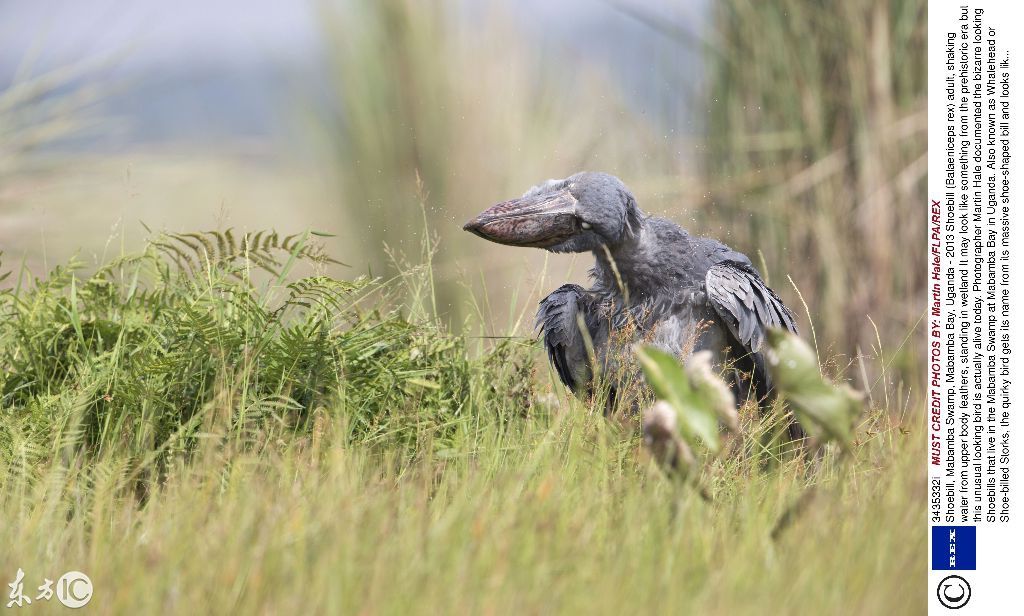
x=699, y=252
x=666, y=231
x=718, y=252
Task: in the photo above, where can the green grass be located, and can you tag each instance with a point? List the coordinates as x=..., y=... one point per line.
x=546, y=516
x=198, y=434
x=215, y=425
x=816, y=145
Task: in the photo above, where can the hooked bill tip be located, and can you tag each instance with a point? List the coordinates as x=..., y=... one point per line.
x=473, y=226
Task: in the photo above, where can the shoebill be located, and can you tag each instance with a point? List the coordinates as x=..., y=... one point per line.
x=651, y=280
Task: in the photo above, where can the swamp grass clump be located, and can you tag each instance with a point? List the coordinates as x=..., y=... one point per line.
x=148, y=352
x=207, y=426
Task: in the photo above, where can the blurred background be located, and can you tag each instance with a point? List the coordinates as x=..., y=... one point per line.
x=792, y=130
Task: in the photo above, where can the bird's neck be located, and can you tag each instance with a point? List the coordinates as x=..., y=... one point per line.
x=629, y=268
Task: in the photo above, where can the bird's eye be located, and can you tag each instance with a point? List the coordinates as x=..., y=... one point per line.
x=585, y=225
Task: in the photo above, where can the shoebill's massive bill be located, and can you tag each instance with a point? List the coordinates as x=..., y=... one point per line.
x=651, y=280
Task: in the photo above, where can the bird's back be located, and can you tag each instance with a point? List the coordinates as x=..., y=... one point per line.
x=665, y=277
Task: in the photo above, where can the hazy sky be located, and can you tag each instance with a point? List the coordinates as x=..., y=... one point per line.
x=212, y=68
x=156, y=30
x=173, y=31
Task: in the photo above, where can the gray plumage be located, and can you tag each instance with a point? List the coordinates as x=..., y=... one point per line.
x=651, y=278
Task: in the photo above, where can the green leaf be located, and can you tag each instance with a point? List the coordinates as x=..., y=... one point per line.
x=711, y=390
x=827, y=410
x=792, y=363
x=697, y=420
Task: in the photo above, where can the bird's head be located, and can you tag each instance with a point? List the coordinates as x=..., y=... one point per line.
x=577, y=214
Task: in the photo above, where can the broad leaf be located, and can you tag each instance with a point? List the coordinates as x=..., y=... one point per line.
x=711, y=390
x=827, y=410
x=697, y=420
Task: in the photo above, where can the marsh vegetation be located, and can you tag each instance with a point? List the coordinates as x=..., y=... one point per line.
x=233, y=421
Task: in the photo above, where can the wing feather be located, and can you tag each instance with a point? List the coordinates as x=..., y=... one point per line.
x=559, y=320
x=745, y=303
